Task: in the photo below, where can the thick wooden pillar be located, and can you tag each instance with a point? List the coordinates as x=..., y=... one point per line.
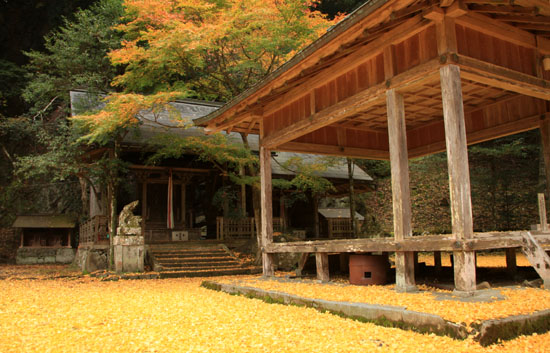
x=402, y=227
x=542, y=213
x=316, y=226
x=267, y=209
x=243, y=193
x=459, y=175
x=321, y=261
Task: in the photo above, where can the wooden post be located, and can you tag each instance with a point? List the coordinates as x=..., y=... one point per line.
x=544, y=128
x=301, y=263
x=22, y=238
x=143, y=205
x=321, y=261
x=404, y=260
x=459, y=176
x=437, y=261
x=243, y=193
x=511, y=263
x=316, y=217
x=542, y=213
x=267, y=210
x=184, y=204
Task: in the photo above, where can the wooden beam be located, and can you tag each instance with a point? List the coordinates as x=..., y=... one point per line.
x=446, y=36
x=445, y=3
x=457, y=9
x=232, y=121
x=401, y=199
x=351, y=105
x=440, y=242
x=459, y=175
x=497, y=29
x=490, y=133
x=501, y=77
x=330, y=150
x=266, y=210
x=321, y=262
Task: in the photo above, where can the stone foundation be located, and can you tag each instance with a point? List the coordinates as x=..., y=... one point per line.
x=90, y=258
x=31, y=256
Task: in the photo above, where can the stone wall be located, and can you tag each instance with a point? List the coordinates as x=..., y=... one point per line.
x=9, y=242
x=90, y=258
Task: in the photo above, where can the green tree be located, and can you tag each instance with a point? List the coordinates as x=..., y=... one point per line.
x=75, y=56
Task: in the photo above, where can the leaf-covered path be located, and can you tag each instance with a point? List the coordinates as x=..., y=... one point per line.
x=178, y=315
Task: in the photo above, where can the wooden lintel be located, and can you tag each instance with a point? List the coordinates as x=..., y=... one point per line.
x=351, y=105
x=501, y=77
x=497, y=29
x=174, y=169
x=331, y=150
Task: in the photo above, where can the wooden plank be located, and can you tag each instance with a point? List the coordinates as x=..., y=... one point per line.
x=351, y=105
x=537, y=257
x=321, y=262
x=266, y=210
x=459, y=175
x=542, y=213
x=501, y=77
x=401, y=198
x=151, y=167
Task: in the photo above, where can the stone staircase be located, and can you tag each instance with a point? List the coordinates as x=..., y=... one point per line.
x=196, y=260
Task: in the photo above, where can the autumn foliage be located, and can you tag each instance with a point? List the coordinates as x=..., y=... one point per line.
x=210, y=49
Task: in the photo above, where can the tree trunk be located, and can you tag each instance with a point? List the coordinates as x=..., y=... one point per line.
x=112, y=189
x=352, y=199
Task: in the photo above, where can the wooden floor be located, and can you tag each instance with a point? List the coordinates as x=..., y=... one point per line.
x=445, y=242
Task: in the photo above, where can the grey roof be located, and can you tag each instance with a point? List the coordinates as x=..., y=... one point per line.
x=339, y=213
x=44, y=221
x=190, y=109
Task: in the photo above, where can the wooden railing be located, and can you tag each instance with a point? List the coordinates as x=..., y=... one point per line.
x=228, y=228
x=94, y=231
x=340, y=227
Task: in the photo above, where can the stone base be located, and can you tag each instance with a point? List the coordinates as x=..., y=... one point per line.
x=31, y=256
x=129, y=253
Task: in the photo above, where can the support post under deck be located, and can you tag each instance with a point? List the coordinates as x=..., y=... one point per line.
x=459, y=176
x=267, y=210
x=402, y=227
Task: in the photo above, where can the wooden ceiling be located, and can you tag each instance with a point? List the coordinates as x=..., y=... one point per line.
x=329, y=75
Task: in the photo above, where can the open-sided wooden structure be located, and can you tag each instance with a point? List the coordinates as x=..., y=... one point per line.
x=399, y=79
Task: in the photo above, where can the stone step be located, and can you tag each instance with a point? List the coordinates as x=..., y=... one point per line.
x=200, y=268
x=190, y=253
x=199, y=264
x=210, y=273
x=194, y=258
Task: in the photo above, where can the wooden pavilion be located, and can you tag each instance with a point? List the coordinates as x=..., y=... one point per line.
x=399, y=79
